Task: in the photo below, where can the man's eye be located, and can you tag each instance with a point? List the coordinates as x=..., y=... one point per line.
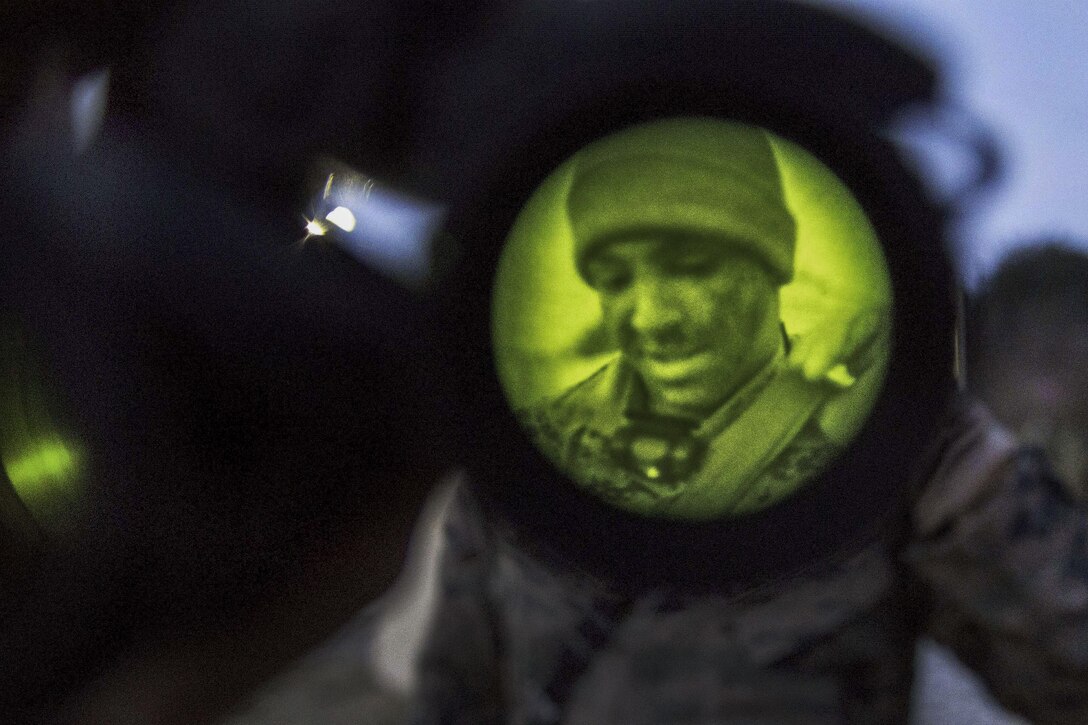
x=609, y=280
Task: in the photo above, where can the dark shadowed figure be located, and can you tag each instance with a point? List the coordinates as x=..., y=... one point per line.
x=1028, y=353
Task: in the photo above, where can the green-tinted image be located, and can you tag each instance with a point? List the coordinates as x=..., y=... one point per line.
x=691, y=318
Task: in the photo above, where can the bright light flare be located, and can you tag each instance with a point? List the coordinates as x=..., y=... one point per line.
x=381, y=226
x=342, y=217
x=314, y=228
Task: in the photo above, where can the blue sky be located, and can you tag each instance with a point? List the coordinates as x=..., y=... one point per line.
x=1023, y=69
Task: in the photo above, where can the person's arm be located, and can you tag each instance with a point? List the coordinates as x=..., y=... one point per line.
x=1004, y=554
x=458, y=675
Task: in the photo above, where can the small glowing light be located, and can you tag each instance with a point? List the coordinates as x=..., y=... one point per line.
x=342, y=217
x=653, y=472
x=315, y=228
x=381, y=226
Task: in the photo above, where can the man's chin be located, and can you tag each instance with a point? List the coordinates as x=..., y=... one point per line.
x=687, y=401
x=679, y=371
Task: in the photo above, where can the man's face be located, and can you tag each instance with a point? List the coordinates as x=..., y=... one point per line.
x=1032, y=377
x=695, y=319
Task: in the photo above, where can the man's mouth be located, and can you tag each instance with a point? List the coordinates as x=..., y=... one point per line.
x=675, y=366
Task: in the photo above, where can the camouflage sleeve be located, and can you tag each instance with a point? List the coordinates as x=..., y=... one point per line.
x=1004, y=555
x=458, y=681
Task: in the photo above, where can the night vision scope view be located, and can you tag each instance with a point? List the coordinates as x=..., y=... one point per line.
x=691, y=318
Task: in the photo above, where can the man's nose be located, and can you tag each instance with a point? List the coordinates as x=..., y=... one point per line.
x=655, y=307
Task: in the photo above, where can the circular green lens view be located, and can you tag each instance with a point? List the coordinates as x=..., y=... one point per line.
x=691, y=318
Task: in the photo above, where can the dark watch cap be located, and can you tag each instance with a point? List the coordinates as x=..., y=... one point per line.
x=703, y=177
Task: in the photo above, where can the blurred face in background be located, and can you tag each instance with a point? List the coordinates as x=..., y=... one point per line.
x=1036, y=381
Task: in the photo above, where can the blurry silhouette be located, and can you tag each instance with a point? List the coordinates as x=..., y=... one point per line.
x=255, y=421
x=1028, y=353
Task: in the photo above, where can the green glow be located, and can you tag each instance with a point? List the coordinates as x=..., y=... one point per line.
x=48, y=464
x=550, y=334
x=42, y=462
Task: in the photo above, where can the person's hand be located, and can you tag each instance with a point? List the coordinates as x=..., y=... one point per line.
x=841, y=348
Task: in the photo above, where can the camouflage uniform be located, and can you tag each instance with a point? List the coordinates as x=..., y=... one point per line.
x=994, y=563
x=762, y=443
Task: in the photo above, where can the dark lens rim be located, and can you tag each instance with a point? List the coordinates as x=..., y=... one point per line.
x=853, y=501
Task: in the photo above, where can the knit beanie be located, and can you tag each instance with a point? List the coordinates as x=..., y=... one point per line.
x=703, y=177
